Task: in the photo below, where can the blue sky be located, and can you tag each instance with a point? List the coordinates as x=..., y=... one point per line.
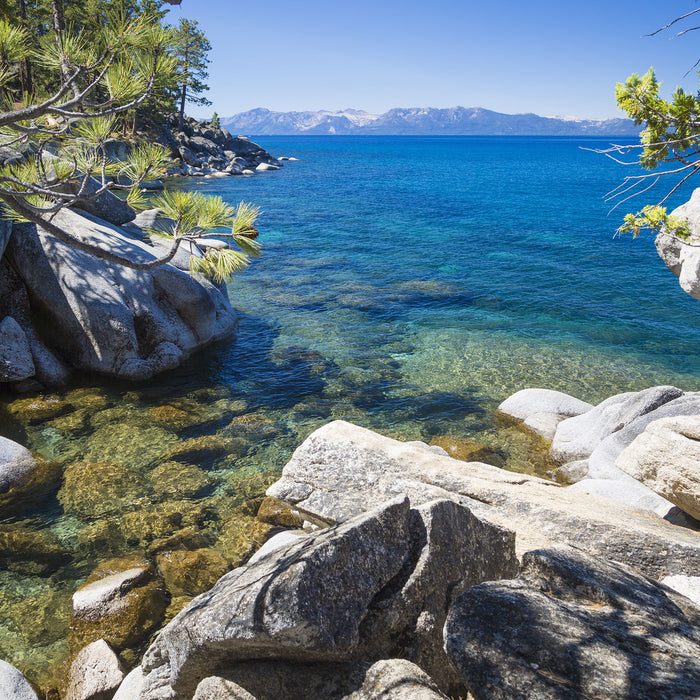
x=551, y=57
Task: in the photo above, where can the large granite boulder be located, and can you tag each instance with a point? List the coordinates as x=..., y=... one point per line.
x=13, y=685
x=105, y=318
x=16, y=464
x=666, y=458
x=95, y=673
x=106, y=205
x=577, y=437
x=389, y=679
x=342, y=470
x=541, y=410
x=374, y=587
x=683, y=257
x=572, y=626
x=16, y=361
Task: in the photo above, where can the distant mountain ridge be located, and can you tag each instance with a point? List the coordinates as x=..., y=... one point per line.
x=455, y=121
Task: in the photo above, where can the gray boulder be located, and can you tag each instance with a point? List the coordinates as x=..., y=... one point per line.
x=5, y=233
x=95, y=673
x=605, y=479
x=109, y=319
x=577, y=437
x=105, y=205
x=680, y=257
x=16, y=361
x=131, y=686
x=666, y=458
x=388, y=679
x=689, y=586
x=341, y=470
x=541, y=410
x=109, y=595
x=376, y=586
x=13, y=685
x=572, y=626
x=16, y=464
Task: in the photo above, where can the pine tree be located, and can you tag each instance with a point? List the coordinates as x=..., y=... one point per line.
x=215, y=121
x=191, y=49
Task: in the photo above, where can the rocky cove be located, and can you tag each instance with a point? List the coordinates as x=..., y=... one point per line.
x=393, y=556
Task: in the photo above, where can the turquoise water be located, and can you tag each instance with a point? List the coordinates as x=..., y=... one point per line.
x=408, y=284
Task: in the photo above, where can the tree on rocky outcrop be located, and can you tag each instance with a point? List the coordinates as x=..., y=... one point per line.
x=669, y=146
x=191, y=51
x=55, y=141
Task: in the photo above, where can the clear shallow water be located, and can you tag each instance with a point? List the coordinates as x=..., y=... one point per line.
x=408, y=284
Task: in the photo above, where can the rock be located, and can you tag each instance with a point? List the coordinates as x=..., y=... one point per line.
x=93, y=489
x=39, y=408
x=577, y=437
x=266, y=166
x=605, y=479
x=31, y=552
x=204, y=450
x=341, y=470
x=107, y=318
x=571, y=472
x=666, y=458
x=131, y=686
x=16, y=464
x=689, y=586
x=253, y=425
x=572, y=626
x=388, y=679
x=281, y=539
x=13, y=685
x=467, y=450
x=191, y=572
x=121, y=607
x=177, y=480
x=277, y=513
x=107, y=206
x=16, y=361
x=527, y=403
x=241, y=536
x=94, y=674
x=5, y=233
x=361, y=589
x=135, y=445
x=187, y=538
x=179, y=414
x=683, y=259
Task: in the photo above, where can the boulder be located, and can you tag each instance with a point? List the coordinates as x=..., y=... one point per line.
x=666, y=458
x=107, y=206
x=107, y=596
x=541, y=410
x=109, y=319
x=577, y=437
x=388, y=679
x=278, y=541
x=605, y=479
x=689, y=586
x=94, y=674
x=188, y=572
x=131, y=686
x=378, y=584
x=341, y=470
x=13, y=685
x=5, y=233
x=16, y=464
x=572, y=626
x=266, y=166
x=683, y=257
x=16, y=361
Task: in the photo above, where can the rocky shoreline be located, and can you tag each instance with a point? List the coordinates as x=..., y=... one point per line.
x=402, y=572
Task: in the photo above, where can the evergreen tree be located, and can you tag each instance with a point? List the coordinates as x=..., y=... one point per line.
x=215, y=121
x=191, y=51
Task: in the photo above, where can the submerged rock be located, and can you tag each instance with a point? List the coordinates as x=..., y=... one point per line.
x=205, y=449
x=188, y=573
x=275, y=512
x=31, y=552
x=468, y=450
x=178, y=480
x=572, y=626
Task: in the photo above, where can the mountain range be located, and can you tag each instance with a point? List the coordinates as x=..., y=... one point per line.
x=455, y=121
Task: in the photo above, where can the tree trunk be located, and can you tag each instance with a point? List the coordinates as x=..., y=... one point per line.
x=25, y=67
x=183, y=97
x=58, y=20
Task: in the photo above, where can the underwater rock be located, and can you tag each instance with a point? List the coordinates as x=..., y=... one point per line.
x=39, y=408
x=31, y=552
x=189, y=573
x=253, y=425
x=95, y=673
x=188, y=538
x=468, y=450
x=179, y=414
x=94, y=489
x=178, y=480
x=276, y=512
x=122, y=607
x=241, y=536
x=205, y=449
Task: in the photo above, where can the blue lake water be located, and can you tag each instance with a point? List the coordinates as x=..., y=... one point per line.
x=408, y=284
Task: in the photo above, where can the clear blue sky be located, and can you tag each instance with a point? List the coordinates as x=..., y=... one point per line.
x=551, y=57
